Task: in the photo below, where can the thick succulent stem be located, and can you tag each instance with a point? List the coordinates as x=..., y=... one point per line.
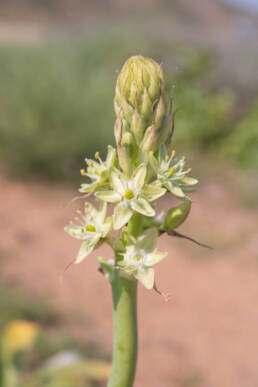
x=124, y=359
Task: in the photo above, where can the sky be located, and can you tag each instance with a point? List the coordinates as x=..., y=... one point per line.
x=245, y=4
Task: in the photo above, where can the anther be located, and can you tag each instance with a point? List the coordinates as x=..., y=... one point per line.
x=189, y=170
x=96, y=155
x=166, y=158
x=82, y=171
x=173, y=153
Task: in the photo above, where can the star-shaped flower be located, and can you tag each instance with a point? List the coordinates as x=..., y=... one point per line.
x=92, y=226
x=140, y=255
x=98, y=171
x=131, y=194
x=171, y=173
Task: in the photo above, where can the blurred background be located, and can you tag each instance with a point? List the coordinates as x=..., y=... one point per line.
x=58, y=66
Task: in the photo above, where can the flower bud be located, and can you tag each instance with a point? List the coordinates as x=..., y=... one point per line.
x=177, y=215
x=142, y=103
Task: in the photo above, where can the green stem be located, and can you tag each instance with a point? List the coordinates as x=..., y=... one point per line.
x=124, y=359
x=124, y=292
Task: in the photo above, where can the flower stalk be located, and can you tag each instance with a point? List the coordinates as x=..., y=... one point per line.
x=124, y=293
x=140, y=171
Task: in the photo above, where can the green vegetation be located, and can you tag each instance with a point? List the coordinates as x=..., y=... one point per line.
x=242, y=145
x=56, y=103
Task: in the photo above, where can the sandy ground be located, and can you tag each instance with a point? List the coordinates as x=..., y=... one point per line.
x=205, y=336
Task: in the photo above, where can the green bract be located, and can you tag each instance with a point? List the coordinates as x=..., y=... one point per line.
x=91, y=227
x=140, y=255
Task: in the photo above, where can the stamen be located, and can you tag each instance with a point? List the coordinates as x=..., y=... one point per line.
x=82, y=171
x=96, y=155
x=173, y=153
x=182, y=177
x=189, y=170
x=167, y=158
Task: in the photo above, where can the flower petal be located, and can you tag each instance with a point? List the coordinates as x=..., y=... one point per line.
x=142, y=206
x=148, y=241
x=176, y=191
x=90, y=210
x=108, y=196
x=122, y=214
x=101, y=213
x=154, y=257
x=88, y=187
x=117, y=180
x=153, y=162
x=139, y=175
x=146, y=277
x=111, y=155
x=189, y=181
x=152, y=192
x=85, y=249
x=107, y=226
x=75, y=231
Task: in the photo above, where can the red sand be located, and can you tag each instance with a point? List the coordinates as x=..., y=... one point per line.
x=207, y=335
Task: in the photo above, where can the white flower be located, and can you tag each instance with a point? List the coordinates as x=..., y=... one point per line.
x=91, y=227
x=140, y=255
x=131, y=194
x=98, y=171
x=171, y=173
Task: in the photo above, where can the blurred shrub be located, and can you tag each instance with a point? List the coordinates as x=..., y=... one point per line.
x=203, y=118
x=56, y=105
x=56, y=102
x=242, y=144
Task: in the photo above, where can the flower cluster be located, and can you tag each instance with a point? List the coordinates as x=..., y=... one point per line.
x=133, y=177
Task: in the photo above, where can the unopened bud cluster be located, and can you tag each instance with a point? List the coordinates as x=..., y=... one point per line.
x=143, y=110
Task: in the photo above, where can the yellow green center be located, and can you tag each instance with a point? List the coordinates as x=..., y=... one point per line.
x=129, y=194
x=90, y=227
